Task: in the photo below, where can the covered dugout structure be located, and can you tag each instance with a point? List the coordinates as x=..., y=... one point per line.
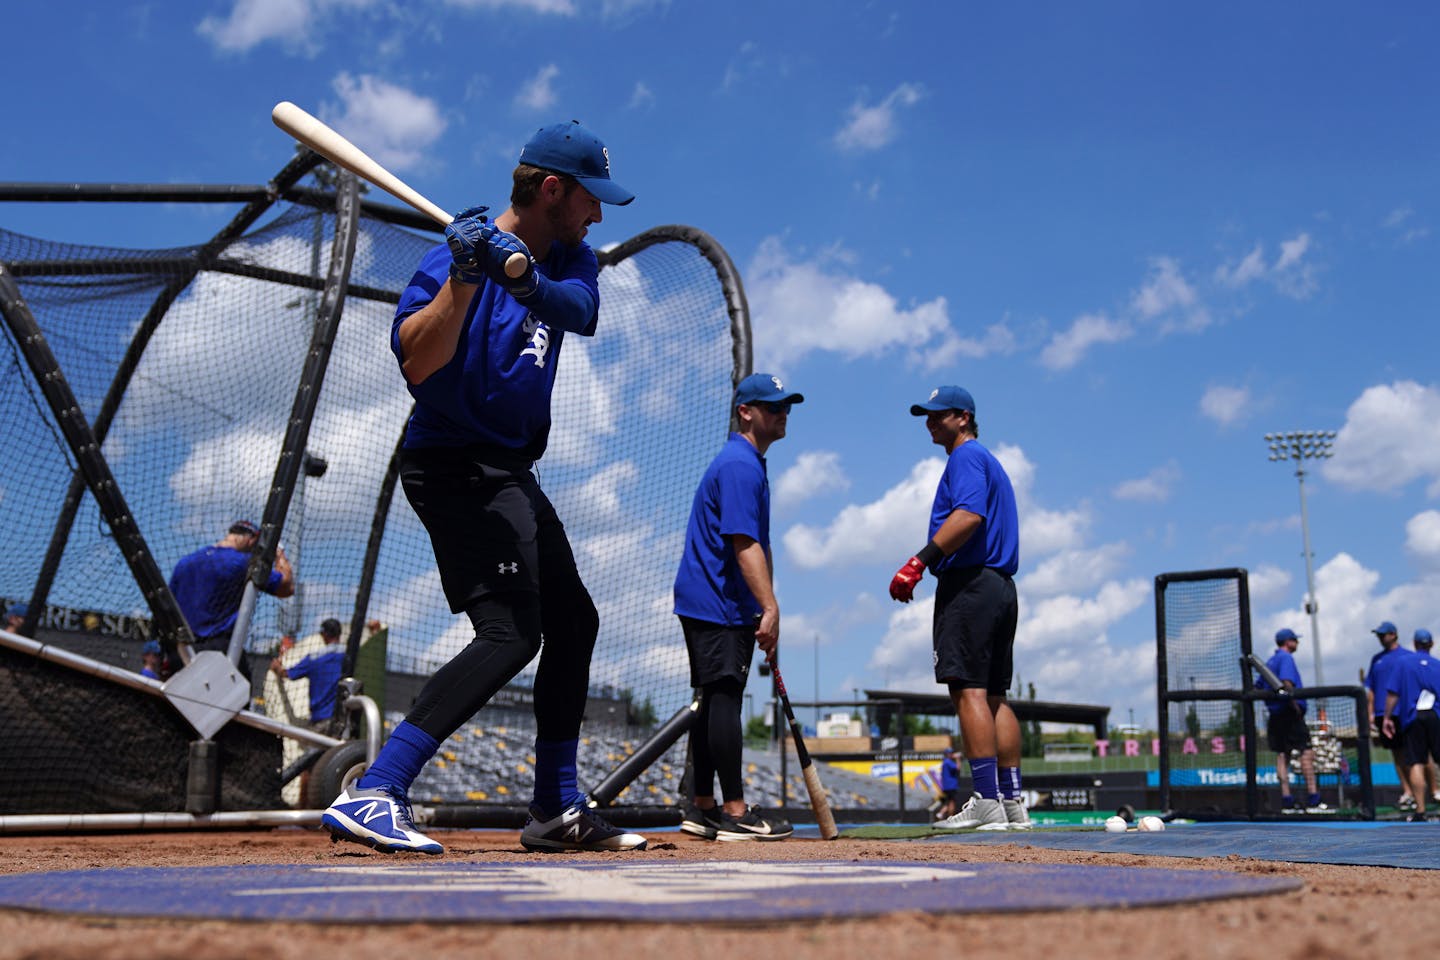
x=154, y=396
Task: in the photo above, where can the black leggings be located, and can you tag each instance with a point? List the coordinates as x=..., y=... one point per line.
x=715, y=740
x=508, y=628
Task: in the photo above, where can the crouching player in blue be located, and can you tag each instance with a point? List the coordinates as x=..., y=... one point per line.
x=1410, y=718
x=478, y=349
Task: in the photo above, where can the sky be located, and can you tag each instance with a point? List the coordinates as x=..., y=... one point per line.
x=1142, y=235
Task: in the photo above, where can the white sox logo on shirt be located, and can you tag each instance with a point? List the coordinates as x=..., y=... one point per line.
x=511, y=567
x=539, y=340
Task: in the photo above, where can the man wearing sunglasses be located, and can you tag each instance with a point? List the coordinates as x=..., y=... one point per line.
x=725, y=599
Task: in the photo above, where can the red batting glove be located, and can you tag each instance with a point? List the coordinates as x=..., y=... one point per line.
x=902, y=588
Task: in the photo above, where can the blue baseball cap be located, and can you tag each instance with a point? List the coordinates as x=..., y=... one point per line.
x=1423, y=638
x=945, y=398
x=570, y=149
x=1285, y=635
x=246, y=527
x=764, y=388
x=1385, y=627
x=151, y=646
x=17, y=610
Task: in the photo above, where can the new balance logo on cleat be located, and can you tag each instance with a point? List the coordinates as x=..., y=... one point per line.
x=578, y=828
x=378, y=818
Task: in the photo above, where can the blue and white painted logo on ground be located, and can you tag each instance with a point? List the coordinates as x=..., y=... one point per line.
x=654, y=892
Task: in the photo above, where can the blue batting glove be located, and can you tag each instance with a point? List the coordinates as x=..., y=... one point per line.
x=497, y=249
x=463, y=236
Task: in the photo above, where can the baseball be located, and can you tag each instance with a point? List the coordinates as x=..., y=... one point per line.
x=1151, y=824
x=1117, y=825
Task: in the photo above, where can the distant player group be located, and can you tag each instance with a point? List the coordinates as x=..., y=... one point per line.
x=479, y=350
x=1401, y=687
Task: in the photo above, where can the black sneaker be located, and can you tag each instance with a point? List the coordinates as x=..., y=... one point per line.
x=578, y=828
x=701, y=823
x=752, y=825
x=1417, y=818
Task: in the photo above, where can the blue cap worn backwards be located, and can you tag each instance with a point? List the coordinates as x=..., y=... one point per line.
x=764, y=388
x=570, y=149
x=1285, y=635
x=945, y=398
x=1423, y=638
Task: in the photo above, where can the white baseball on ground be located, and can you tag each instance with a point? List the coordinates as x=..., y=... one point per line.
x=1151, y=824
x=1116, y=825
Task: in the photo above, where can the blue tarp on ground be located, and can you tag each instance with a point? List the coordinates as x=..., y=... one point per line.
x=1412, y=845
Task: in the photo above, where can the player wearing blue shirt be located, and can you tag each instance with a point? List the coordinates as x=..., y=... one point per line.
x=974, y=551
x=1377, y=683
x=725, y=600
x=1410, y=717
x=1286, y=730
x=479, y=345
x=209, y=583
x=323, y=670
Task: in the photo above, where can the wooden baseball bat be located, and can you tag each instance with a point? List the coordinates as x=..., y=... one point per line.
x=818, y=802
x=315, y=134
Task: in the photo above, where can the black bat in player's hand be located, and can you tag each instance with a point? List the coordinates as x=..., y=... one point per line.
x=1268, y=675
x=818, y=802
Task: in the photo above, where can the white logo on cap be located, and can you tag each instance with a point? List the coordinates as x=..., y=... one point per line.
x=778, y=384
x=934, y=393
x=605, y=152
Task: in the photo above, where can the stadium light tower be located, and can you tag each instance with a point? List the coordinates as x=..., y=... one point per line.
x=1299, y=446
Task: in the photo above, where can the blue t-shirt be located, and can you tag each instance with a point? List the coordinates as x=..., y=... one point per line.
x=323, y=671
x=1377, y=678
x=733, y=498
x=1412, y=677
x=1282, y=664
x=975, y=481
x=496, y=389
x=208, y=584
x=949, y=774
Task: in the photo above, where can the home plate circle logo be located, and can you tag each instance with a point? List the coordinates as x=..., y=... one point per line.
x=660, y=892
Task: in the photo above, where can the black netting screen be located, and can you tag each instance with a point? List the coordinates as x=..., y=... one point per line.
x=201, y=367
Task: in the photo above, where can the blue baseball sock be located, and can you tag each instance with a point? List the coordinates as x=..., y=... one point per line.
x=983, y=773
x=555, y=787
x=401, y=759
x=1010, y=783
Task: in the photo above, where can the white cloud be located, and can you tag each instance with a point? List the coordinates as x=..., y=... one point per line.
x=1166, y=295
x=564, y=8
x=872, y=127
x=641, y=96
x=1291, y=274
x=798, y=308
x=1042, y=531
x=539, y=92
x=1268, y=582
x=1391, y=437
x=813, y=473
x=394, y=125
x=1422, y=535
x=252, y=22
x=893, y=525
x=1226, y=405
x=1074, y=570
x=1068, y=347
x=1155, y=486
x=1057, y=620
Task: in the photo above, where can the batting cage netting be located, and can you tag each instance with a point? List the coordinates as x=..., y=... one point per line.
x=154, y=397
x=1215, y=761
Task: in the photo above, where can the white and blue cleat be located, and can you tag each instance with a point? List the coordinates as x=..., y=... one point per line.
x=376, y=818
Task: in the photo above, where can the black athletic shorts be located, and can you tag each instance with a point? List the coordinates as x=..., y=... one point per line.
x=1421, y=739
x=1287, y=730
x=974, y=629
x=490, y=525
x=717, y=652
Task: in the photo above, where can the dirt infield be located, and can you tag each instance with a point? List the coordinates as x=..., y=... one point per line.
x=1341, y=912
